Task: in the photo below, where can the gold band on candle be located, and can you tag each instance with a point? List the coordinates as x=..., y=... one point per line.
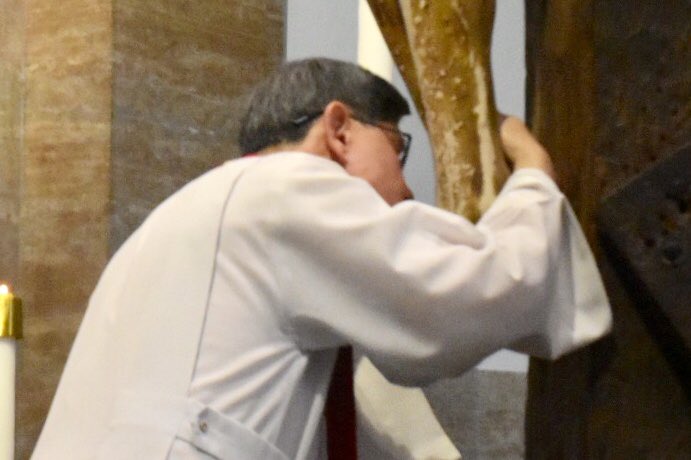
x=11, y=316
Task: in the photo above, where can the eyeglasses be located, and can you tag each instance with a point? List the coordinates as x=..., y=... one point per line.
x=405, y=139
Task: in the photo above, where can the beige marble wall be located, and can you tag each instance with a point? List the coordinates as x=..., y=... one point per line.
x=107, y=107
x=64, y=187
x=180, y=74
x=11, y=55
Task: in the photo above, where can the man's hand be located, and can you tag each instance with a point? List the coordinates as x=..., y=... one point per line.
x=522, y=149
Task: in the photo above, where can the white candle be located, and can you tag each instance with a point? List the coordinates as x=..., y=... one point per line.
x=10, y=331
x=400, y=418
x=372, y=52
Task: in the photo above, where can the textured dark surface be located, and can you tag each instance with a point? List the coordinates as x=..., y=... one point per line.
x=618, y=75
x=643, y=89
x=647, y=228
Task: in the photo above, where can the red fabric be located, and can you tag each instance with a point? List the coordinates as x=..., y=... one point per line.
x=340, y=410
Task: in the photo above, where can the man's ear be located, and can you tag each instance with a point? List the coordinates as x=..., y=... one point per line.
x=337, y=127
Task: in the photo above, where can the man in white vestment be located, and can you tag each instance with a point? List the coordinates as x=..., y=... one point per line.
x=213, y=331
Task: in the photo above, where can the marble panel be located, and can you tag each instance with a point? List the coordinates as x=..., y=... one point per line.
x=181, y=74
x=65, y=188
x=121, y=103
x=181, y=150
x=64, y=212
x=11, y=55
x=68, y=49
x=251, y=28
x=46, y=342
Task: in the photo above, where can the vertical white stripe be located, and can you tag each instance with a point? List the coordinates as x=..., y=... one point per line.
x=372, y=52
x=487, y=153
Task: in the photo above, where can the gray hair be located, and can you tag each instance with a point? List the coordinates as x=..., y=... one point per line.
x=282, y=106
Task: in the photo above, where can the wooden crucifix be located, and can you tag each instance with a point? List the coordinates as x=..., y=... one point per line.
x=442, y=50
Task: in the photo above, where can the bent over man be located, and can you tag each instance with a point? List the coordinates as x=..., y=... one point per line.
x=213, y=331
